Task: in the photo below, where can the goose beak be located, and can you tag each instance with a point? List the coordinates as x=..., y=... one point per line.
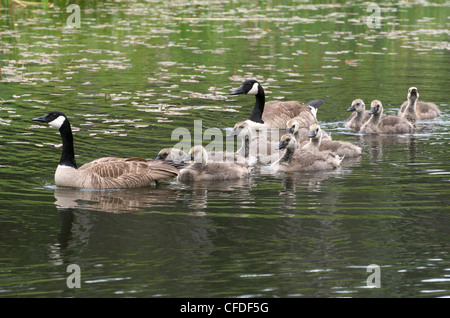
x=238, y=91
x=372, y=111
x=158, y=157
x=312, y=134
x=289, y=131
x=41, y=119
x=351, y=109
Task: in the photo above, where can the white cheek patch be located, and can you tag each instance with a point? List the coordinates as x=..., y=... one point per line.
x=254, y=89
x=58, y=122
x=313, y=111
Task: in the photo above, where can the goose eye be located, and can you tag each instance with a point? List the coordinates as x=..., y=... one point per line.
x=288, y=139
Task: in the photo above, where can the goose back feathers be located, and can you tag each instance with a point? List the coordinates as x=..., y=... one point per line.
x=296, y=159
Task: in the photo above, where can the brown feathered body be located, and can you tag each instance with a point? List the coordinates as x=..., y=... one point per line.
x=357, y=119
x=379, y=124
x=202, y=168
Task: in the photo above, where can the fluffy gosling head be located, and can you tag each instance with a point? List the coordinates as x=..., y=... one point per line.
x=314, y=131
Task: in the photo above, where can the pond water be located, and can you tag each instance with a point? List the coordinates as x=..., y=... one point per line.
x=135, y=70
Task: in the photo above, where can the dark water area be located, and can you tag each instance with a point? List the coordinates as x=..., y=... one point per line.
x=135, y=71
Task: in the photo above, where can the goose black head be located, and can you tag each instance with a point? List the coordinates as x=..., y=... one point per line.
x=54, y=118
x=249, y=87
x=314, y=131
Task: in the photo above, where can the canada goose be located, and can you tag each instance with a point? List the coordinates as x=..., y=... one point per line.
x=412, y=109
x=301, y=133
x=359, y=116
x=255, y=146
x=295, y=159
x=385, y=125
x=201, y=169
x=103, y=173
x=318, y=144
x=275, y=114
x=172, y=154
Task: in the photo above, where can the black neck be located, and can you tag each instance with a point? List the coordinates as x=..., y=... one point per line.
x=258, y=110
x=68, y=153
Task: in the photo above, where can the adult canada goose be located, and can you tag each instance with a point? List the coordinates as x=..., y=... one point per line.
x=103, y=173
x=412, y=109
x=359, y=116
x=275, y=114
x=301, y=133
x=201, y=169
x=295, y=159
x=318, y=144
x=255, y=146
x=385, y=125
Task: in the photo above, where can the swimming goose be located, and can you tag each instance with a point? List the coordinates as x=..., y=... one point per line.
x=257, y=147
x=103, y=173
x=295, y=159
x=412, y=109
x=201, y=169
x=172, y=154
x=318, y=144
x=359, y=116
x=385, y=125
x=275, y=114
